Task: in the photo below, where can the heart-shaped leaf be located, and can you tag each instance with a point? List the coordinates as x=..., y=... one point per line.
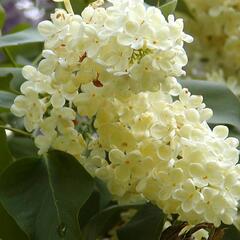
x=44, y=196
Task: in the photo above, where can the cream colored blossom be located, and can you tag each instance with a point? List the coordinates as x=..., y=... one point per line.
x=31, y=108
x=147, y=137
x=137, y=48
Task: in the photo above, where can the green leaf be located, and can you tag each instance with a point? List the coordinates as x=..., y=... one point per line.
x=22, y=147
x=78, y=6
x=99, y=199
x=105, y=196
x=44, y=196
x=5, y=155
x=146, y=224
x=102, y=222
x=20, y=27
x=89, y=209
x=14, y=75
x=5, y=80
x=20, y=38
x=9, y=230
x=151, y=2
x=155, y=2
x=231, y=233
x=183, y=8
x=6, y=99
x=225, y=105
x=2, y=17
x=6, y=117
x=169, y=7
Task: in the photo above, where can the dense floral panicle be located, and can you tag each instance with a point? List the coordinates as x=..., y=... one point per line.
x=106, y=92
x=136, y=43
x=163, y=150
x=216, y=29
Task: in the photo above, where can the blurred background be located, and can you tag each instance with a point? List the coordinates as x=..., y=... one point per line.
x=24, y=13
